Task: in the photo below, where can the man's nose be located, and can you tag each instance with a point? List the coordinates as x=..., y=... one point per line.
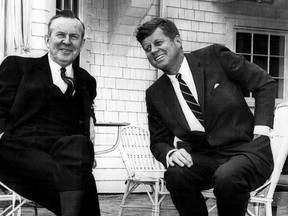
x=154, y=49
x=67, y=40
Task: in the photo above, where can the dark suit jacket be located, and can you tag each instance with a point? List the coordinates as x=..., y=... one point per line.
x=229, y=123
x=25, y=86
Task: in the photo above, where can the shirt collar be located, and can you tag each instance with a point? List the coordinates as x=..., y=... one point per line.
x=55, y=68
x=184, y=70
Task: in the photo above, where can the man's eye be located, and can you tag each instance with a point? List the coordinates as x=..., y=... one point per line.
x=147, y=49
x=60, y=35
x=74, y=37
x=158, y=43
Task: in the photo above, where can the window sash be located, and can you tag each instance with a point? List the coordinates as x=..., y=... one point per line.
x=260, y=48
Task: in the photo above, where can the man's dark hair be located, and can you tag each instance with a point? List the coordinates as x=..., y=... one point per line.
x=66, y=14
x=169, y=28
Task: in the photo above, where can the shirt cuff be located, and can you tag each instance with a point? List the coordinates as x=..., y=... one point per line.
x=262, y=130
x=168, y=155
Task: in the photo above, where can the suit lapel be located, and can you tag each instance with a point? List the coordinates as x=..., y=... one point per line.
x=45, y=72
x=198, y=76
x=172, y=103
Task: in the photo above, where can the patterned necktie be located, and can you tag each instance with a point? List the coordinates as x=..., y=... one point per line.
x=189, y=98
x=69, y=81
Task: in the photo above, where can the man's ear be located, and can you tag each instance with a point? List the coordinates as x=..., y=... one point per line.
x=46, y=39
x=178, y=40
x=83, y=42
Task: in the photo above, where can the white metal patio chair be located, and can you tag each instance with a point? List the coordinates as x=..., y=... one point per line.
x=142, y=168
x=263, y=196
x=10, y=201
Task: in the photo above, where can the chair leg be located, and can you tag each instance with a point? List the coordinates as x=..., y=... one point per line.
x=125, y=195
x=156, y=206
x=36, y=211
x=256, y=207
x=268, y=209
x=274, y=210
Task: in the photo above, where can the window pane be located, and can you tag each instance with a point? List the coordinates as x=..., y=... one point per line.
x=58, y=4
x=260, y=45
x=243, y=42
x=247, y=57
x=276, y=67
x=277, y=45
x=261, y=61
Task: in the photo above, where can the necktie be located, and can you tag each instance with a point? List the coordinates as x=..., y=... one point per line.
x=190, y=100
x=69, y=81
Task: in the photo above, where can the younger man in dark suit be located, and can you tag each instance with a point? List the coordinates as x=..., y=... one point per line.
x=45, y=109
x=199, y=101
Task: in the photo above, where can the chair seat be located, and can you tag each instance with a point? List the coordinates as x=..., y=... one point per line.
x=149, y=174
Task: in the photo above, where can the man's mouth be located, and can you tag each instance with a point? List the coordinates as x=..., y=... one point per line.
x=66, y=50
x=159, y=58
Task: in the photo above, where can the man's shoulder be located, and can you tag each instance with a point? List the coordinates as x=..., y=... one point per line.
x=82, y=72
x=158, y=84
x=205, y=49
x=15, y=58
x=205, y=54
x=24, y=62
x=84, y=76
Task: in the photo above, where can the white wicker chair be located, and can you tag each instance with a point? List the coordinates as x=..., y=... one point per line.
x=11, y=202
x=263, y=196
x=142, y=169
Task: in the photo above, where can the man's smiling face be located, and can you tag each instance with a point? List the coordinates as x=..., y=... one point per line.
x=65, y=40
x=162, y=52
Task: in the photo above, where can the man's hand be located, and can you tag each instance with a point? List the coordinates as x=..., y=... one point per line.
x=180, y=157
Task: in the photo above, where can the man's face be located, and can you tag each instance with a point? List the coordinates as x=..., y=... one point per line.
x=162, y=52
x=65, y=41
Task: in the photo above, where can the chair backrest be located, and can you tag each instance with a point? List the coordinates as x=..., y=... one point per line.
x=135, y=150
x=12, y=202
x=279, y=145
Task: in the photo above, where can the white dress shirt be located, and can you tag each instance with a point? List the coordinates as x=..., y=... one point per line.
x=193, y=122
x=56, y=74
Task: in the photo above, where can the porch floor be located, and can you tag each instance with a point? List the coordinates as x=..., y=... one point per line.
x=109, y=205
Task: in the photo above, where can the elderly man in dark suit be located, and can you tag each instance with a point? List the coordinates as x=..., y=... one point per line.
x=45, y=110
x=199, y=100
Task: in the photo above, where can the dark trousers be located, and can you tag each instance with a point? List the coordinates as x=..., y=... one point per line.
x=231, y=176
x=42, y=167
